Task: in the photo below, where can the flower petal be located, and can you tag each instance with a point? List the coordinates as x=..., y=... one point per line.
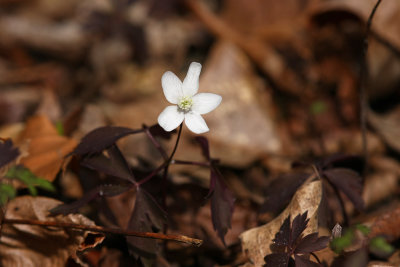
x=196, y=123
x=190, y=85
x=205, y=102
x=170, y=118
x=172, y=87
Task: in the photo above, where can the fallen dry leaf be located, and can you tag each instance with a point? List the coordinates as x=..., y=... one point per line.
x=386, y=222
x=382, y=183
x=46, y=148
x=31, y=245
x=229, y=73
x=387, y=126
x=256, y=241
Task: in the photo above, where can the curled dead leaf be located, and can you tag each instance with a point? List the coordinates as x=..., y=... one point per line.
x=31, y=245
x=256, y=241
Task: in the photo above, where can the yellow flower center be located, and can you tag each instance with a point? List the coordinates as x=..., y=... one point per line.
x=185, y=103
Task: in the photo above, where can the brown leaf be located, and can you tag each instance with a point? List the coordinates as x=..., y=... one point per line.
x=30, y=245
x=256, y=241
x=386, y=223
x=46, y=149
x=388, y=127
x=229, y=73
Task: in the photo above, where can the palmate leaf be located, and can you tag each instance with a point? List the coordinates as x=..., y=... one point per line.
x=289, y=242
x=299, y=224
x=157, y=131
x=222, y=200
x=147, y=215
x=102, y=138
x=7, y=152
x=349, y=182
x=311, y=243
x=303, y=262
x=277, y=260
x=282, y=238
x=281, y=191
x=353, y=162
x=99, y=191
x=114, y=165
x=222, y=203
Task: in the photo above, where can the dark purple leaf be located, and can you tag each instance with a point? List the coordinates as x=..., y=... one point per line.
x=7, y=152
x=311, y=243
x=102, y=138
x=299, y=224
x=347, y=181
x=282, y=238
x=221, y=204
x=204, y=146
x=281, y=190
x=289, y=241
x=146, y=216
x=276, y=260
x=303, y=262
x=100, y=191
x=353, y=162
x=114, y=165
x=157, y=131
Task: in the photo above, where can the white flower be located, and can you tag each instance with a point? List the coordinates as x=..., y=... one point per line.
x=188, y=105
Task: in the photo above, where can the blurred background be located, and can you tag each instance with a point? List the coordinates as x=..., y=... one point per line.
x=288, y=72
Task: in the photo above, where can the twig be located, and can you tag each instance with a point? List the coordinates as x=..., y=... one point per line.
x=106, y=230
x=363, y=91
x=186, y=162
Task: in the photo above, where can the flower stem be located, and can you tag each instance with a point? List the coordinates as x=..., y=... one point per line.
x=165, y=164
x=155, y=143
x=176, y=145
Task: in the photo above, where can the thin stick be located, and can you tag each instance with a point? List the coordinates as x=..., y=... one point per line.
x=363, y=90
x=106, y=230
x=186, y=162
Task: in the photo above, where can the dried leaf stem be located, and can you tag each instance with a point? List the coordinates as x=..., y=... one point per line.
x=107, y=230
x=363, y=90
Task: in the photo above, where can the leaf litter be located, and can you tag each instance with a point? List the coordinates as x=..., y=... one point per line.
x=288, y=75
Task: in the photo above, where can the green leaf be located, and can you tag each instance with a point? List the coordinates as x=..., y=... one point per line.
x=363, y=229
x=379, y=246
x=318, y=107
x=7, y=192
x=60, y=128
x=340, y=243
x=29, y=179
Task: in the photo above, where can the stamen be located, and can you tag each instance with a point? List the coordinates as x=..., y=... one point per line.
x=185, y=103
